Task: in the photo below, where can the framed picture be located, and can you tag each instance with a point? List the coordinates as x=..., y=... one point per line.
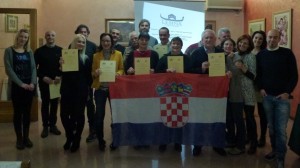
x=256, y=25
x=282, y=21
x=11, y=23
x=125, y=26
x=210, y=24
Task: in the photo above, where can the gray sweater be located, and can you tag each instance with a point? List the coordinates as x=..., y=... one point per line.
x=12, y=77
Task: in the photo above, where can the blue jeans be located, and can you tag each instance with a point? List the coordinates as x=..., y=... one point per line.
x=278, y=113
x=101, y=95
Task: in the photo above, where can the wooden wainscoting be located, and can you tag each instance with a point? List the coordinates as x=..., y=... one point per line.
x=6, y=111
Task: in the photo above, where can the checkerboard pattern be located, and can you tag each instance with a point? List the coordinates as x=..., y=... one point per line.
x=174, y=111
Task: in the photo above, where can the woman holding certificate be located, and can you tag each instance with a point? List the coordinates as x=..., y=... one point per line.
x=21, y=71
x=142, y=60
x=175, y=60
x=107, y=64
x=74, y=92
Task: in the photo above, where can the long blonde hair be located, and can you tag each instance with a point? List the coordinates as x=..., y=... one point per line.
x=26, y=45
x=82, y=54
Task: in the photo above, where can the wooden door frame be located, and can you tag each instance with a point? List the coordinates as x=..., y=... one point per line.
x=32, y=22
x=6, y=110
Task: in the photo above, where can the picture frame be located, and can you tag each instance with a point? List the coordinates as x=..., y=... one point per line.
x=211, y=24
x=125, y=26
x=282, y=21
x=256, y=25
x=11, y=23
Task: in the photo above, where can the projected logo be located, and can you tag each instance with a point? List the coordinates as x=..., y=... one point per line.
x=171, y=20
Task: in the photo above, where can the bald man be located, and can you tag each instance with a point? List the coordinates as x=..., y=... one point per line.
x=277, y=77
x=47, y=61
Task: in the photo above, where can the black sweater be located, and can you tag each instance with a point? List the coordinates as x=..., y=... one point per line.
x=276, y=71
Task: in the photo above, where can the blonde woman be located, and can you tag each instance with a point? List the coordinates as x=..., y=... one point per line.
x=74, y=95
x=21, y=71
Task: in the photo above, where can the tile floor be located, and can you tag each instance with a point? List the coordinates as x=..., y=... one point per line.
x=49, y=152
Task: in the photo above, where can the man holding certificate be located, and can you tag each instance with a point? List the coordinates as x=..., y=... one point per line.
x=201, y=64
x=174, y=61
x=107, y=64
x=141, y=60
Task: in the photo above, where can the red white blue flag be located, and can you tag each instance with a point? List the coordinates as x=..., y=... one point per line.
x=167, y=108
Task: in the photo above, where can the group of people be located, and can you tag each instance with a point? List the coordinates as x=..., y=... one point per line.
x=259, y=70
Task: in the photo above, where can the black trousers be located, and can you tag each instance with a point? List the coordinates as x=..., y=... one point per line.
x=251, y=123
x=49, y=106
x=72, y=115
x=22, y=102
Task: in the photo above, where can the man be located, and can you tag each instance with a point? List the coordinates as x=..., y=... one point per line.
x=116, y=37
x=223, y=34
x=200, y=61
x=189, y=51
x=47, y=60
x=144, y=26
x=134, y=44
x=90, y=50
x=277, y=76
x=164, y=46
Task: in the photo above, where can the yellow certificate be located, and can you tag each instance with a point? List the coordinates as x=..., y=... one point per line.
x=70, y=57
x=176, y=62
x=54, y=90
x=142, y=65
x=216, y=64
x=108, y=71
x=161, y=50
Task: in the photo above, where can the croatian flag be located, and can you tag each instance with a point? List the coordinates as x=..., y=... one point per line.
x=168, y=108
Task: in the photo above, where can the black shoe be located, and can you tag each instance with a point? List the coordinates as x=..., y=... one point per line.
x=112, y=147
x=137, y=147
x=67, y=145
x=91, y=137
x=197, y=150
x=44, y=133
x=102, y=145
x=54, y=130
x=251, y=151
x=252, y=148
x=220, y=151
x=270, y=156
x=162, y=148
x=27, y=143
x=261, y=142
x=75, y=145
x=20, y=145
x=177, y=147
x=236, y=151
x=146, y=146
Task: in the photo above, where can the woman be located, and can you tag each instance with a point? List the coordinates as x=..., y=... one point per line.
x=234, y=117
x=105, y=52
x=176, y=46
x=21, y=71
x=142, y=51
x=247, y=66
x=260, y=43
x=74, y=94
x=162, y=67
